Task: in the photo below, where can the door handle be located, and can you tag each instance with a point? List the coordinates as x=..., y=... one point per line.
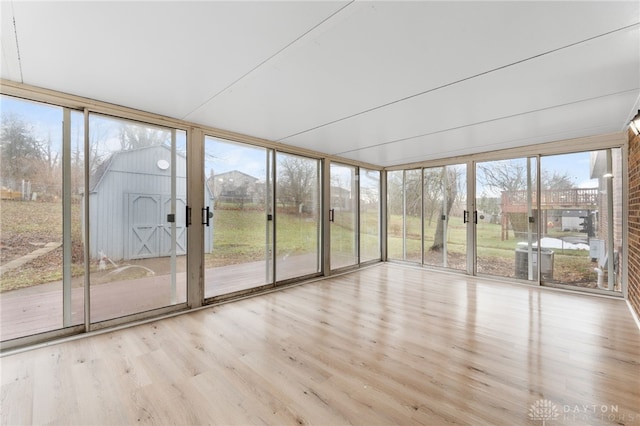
x=206, y=215
x=475, y=217
x=332, y=214
x=465, y=217
x=188, y=216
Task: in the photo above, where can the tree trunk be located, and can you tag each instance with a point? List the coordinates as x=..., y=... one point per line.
x=451, y=190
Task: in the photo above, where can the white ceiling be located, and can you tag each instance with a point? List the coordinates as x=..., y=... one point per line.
x=386, y=83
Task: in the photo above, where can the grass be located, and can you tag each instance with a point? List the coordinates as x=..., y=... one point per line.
x=570, y=266
x=239, y=236
x=25, y=227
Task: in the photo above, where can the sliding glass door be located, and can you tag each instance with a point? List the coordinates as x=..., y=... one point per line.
x=298, y=216
x=582, y=218
x=238, y=217
x=41, y=183
x=506, y=220
x=445, y=231
x=404, y=215
x=136, y=221
x=343, y=216
x=369, y=215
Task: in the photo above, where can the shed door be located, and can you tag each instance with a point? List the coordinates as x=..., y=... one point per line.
x=166, y=246
x=145, y=227
x=149, y=233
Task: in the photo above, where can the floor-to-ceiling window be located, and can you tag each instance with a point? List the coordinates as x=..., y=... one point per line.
x=136, y=220
x=343, y=215
x=445, y=231
x=93, y=218
x=581, y=218
x=41, y=188
x=298, y=216
x=264, y=217
x=395, y=214
x=404, y=215
x=505, y=219
x=554, y=219
x=239, y=236
x=550, y=219
x=369, y=215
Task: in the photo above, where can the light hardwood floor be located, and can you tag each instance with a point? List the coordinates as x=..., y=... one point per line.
x=385, y=345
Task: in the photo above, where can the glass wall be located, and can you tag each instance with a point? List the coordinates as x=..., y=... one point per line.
x=581, y=209
x=239, y=239
x=369, y=215
x=554, y=219
x=445, y=232
x=506, y=217
x=298, y=218
x=137, y=226
x=41, y=181
x=549, y=219
x=404, y=215
x=395, y=214
x=343, y=216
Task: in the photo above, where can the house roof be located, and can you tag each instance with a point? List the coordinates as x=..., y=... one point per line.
x=234, y=172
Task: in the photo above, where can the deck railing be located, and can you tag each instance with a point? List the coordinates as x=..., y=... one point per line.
x=552, y=198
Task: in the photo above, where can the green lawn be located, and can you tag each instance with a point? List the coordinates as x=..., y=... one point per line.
x=25, y=226
x=570, y=266
x=239, y=236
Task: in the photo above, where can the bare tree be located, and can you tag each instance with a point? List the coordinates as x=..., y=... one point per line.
x=413, y=190
x=297, y=178
x=432, y=193
x=448, y=182
x=395, y=192
x=511, y=175
x=506, y=175
x=20, y=149
x=556, y=180
x=133, y=136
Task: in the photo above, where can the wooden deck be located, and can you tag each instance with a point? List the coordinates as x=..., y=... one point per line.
x=38, y=308
x=388, y=344
x=550, y=199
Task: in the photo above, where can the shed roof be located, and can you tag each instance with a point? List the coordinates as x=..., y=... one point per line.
x=98, y=176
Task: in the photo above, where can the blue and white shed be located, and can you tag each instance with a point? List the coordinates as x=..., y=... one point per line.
x=129, y=204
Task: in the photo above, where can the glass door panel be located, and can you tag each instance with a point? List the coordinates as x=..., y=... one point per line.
x=343, y=216
x=41, y=181
x=238, y=245
x=505, y=217
x=137, y=232
x=395, y=214
x=445, y=233
x=404, y=215
x=413, y=215
x=582, y=222
x=298, y=225
x=369, y=215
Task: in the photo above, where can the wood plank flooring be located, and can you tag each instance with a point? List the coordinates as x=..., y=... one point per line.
x=388, y=344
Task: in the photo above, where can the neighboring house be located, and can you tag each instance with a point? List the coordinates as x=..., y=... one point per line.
x=236, y=187
x=129, y=200
x=341, y=198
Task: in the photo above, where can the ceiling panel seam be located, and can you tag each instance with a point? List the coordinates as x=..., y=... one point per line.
x=486, y=121
x=15, y=33
x=261, y=64
x=453, y=83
